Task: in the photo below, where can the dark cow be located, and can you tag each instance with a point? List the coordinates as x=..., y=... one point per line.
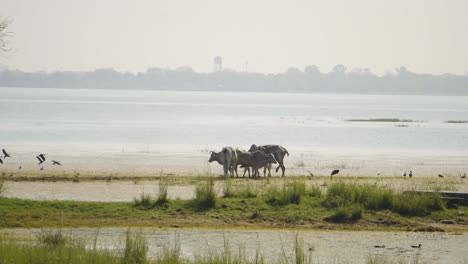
x=278, y=152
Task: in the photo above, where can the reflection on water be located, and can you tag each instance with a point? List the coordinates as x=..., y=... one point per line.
x=326, y=247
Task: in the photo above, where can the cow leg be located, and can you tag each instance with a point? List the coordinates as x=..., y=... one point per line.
x=269, y=169
x=225, y=169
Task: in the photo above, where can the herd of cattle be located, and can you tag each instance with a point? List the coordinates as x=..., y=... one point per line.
x=257, y=157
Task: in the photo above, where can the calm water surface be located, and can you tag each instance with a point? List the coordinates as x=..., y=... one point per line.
x=149, y=131
x=326, y=246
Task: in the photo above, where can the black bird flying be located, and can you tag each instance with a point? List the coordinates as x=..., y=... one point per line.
x=54, y=162
x=334, y=172
x=40, y=160
x=5, y=154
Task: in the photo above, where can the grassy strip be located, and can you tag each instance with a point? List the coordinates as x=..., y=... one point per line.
x=292, y=205
x=381, y=120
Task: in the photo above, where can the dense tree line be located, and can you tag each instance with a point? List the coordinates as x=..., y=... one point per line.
x=339, y=80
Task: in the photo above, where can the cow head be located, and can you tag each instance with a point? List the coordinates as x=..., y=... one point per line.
x=212, y=157
x=271, y=158
x=253, y=148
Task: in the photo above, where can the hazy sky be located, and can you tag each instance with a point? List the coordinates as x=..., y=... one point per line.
x=427, y=36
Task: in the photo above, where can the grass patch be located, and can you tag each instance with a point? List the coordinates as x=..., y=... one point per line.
x=162, y=194
x=289, y=193
x=314, y=191
x=144, y=201
x=244, y=190
x=345, y=215
x=377, y=198
x=381, y=120
x=205, y=195
x=51, y=238
x=417, y=204
x=136, y=249
x=456, y=122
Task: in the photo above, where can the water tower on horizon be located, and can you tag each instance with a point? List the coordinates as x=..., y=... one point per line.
x=217, y=64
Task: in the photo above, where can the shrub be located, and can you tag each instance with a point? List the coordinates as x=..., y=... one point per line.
x=417, y=204
x=162, y=195
x=135, y=249
x=205, y=194
x=371, y=197
x=315, y=191
x=290, y=193
x=51, y=238
x=143, y=201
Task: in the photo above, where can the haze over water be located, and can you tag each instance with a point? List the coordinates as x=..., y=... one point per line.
x=149, y=131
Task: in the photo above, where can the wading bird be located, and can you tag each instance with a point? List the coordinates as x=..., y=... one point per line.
x=410, y=174
x=42, y=157
x=464, y=176
x=418, y=246
x=5, y=154
x=441, y=176
x=378, y=246
x=42, y=168
x=404, y=174
x=54, y=162
x=334, y=172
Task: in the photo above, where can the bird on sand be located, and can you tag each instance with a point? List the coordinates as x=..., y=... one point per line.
x=378, y=246
x=404, y=174
x=19, y=168
x=42, y=168
x=410, y=174
x=441, y=176
x=54, y=162
x=418, y=246
x=464, y=176
x=5, y=154
x=334, y=172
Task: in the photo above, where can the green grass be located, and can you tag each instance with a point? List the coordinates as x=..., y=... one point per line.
x=162, y=194
x=51, y=247
x=381, y=120
x=377, y=198
x=143, y=201
x=346, y=215
x=205, y=195
x=244, y=190
x=289, y=193
x=292, y=204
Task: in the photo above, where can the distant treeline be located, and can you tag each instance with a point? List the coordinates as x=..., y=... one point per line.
x=402, y=81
